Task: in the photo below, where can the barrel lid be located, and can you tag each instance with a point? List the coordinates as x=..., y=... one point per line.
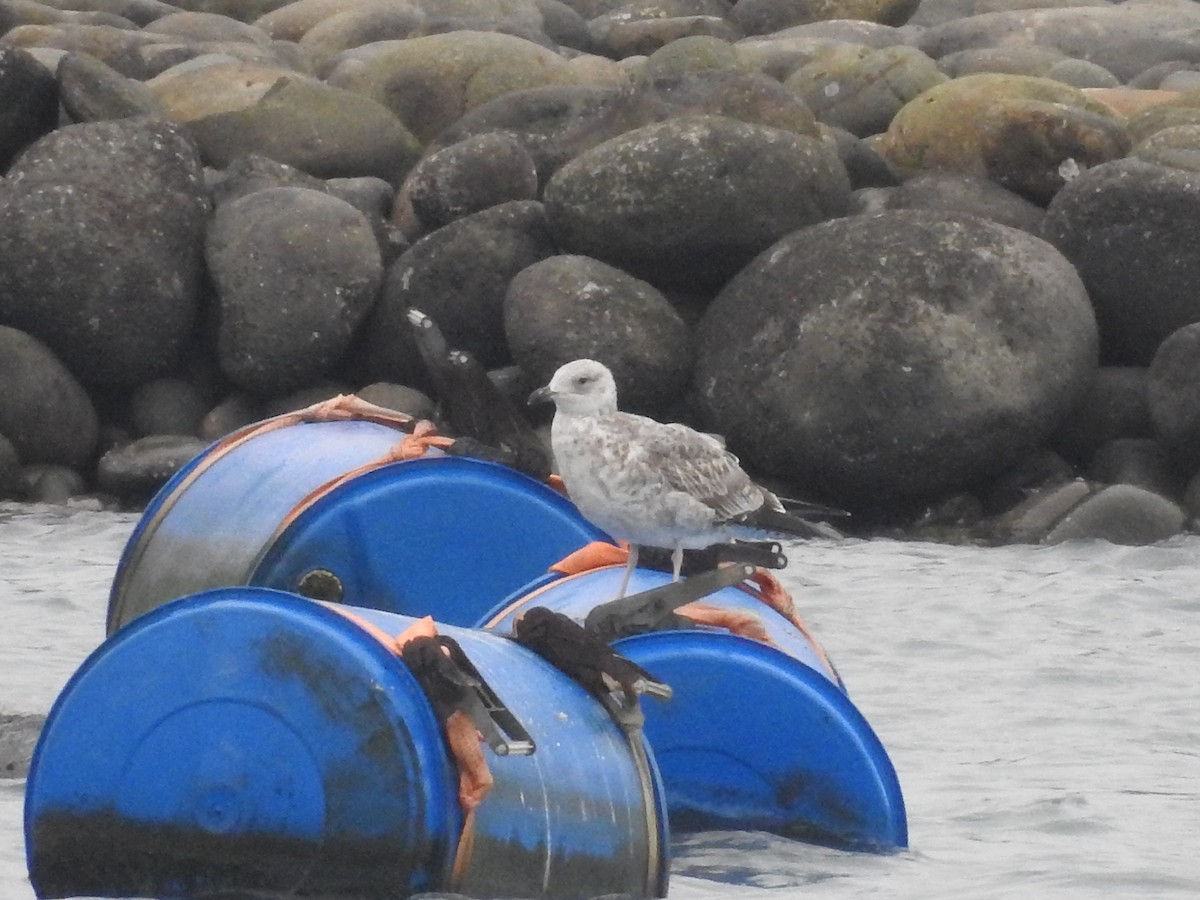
x=242, y=739
x=753, y=738
x=443, y=535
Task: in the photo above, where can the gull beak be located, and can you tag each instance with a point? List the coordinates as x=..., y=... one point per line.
x=541, y=395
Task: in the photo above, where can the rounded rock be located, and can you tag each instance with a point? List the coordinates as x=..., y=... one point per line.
x=44, y=412
x=472, y=175
x=1129, y=228
x=28, y=102
x=572, y=307
x=895, y=357
x=1121, y=514
x=101, y=237
x=295, y=271
x=1114, y=406
x=457, y=276
x=166, y=406
x=1173, y=393
x=134, y=472
x=693, y=199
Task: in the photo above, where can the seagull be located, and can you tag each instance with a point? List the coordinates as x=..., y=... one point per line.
x=650, y=483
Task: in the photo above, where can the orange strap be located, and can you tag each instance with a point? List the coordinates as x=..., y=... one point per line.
x=769, y=590
x=737, y=622
x=462, y=738
x=596, y=555
x=763, y=586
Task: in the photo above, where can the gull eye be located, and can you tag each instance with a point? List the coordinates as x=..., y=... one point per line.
x=581, y=380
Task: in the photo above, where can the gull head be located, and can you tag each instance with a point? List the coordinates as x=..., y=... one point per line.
x=580, y=388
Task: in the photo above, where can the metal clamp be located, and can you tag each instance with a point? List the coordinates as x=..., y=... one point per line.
x=451, y=682
x=654, y=610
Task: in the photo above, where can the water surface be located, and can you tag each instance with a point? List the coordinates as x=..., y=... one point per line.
x=1040, y=705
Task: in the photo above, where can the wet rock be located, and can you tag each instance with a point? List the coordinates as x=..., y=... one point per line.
x=572, y=307
x=1124, y=38
x=10, y=470
x=472, y=175
x=1121, y=514
x=399, y=397
x=1173, y=394
x=368, y=23
x=1038, y=472
x=457, y=276
x=860, y=88
x=369, y=195
x=1177, y=147
x=954, y=194
x=766, y=16
x=134, y=472
x=295, y=272
x=202, y=27
x=101, y=237
x=1040, y=62
x=119, y=48
x=237, y=109
x=894, y=357
x=49, y=483
x=1143, y=462
x=248, y=174
x=429, y=82
x=1115, y=405
x=1016, y=130
x=864, y=167
x=553, y=123
x=623, y=33
x=44, y=411
x=167, y=406
x=92, y=91
x=140, y=12
x=1122, y=225
x=693, y=199
x=232, y=413
x=28, y=102
x=1159, y=116
x=1029, y=521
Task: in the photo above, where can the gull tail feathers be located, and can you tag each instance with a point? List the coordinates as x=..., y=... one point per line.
x=784, y=523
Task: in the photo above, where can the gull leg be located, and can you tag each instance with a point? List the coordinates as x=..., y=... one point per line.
x=676, y=562
x=629, y=567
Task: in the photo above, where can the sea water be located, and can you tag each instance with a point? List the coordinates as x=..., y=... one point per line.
x=1041, y=706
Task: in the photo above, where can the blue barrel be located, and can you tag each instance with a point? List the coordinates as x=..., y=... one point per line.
x=756, y=736
x=576, y=595
x=308, y=506
x=246, y=740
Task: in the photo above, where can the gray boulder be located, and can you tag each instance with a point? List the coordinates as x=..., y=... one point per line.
x=44, y=412
x=1173, y=394
x=895, y=357
x=1130, y=228
x=28, y=102
x=1114, y=406
x=101, y=246
x=476, y=173
x=693, y=199
x=134, y=472
x=1121, y=514
x=296, y=271
x=457, y=276
x=568, y=307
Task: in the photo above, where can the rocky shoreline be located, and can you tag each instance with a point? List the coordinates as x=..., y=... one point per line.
x=933, y=262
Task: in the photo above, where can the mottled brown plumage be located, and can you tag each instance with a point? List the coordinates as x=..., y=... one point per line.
x=650, y=483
